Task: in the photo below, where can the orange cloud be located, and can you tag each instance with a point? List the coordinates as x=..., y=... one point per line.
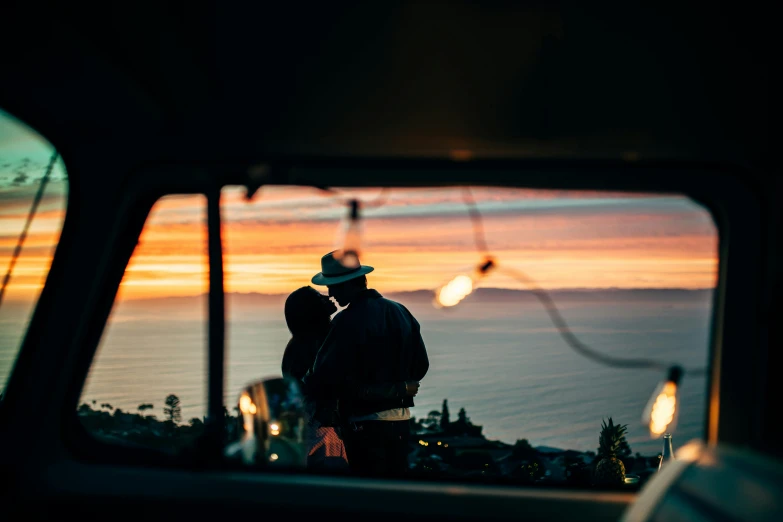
x=623, y=245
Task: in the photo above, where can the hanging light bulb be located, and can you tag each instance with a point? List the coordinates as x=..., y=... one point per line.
x=350, y=238
x=660, y=414
x=461, y=286
x=248, y=409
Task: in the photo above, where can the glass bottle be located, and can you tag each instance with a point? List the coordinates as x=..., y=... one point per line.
x=667, y=455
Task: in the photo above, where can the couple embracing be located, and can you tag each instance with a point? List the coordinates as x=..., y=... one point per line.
x=359, y=371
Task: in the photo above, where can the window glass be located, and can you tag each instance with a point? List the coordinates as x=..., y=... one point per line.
x=505, y=397
x=25, y=157
x=148, y=381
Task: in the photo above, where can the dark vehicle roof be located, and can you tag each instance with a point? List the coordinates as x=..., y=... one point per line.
x=124, y=86
x=178, y=82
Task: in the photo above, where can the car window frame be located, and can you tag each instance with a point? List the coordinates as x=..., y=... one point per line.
x=724, y=200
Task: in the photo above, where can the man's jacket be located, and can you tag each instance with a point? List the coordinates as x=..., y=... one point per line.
x=373, y=342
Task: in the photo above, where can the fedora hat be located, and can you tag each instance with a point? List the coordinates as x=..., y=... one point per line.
x=333, y=272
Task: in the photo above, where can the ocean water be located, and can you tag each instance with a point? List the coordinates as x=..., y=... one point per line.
x=498, y=357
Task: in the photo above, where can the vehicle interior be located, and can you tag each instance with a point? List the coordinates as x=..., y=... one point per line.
x=214, y=101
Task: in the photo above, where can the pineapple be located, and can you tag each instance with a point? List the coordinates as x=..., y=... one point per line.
x=610, y=470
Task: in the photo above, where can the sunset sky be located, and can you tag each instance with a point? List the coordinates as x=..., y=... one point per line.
x=419, y=239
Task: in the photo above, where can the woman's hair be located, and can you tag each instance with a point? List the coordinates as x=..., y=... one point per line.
x=305, y=313
x=307, y=317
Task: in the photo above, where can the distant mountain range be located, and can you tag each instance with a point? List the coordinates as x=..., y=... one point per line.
x=487, y=295
x=481, y=295
x=502, y=294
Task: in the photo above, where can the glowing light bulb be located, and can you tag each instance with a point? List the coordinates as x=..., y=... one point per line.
x=246, y=405
x=661, y=411
x=350, y=238
x=453, y=292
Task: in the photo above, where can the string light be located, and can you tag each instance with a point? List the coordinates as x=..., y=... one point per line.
x=246, y=405
x=461, y=286
x=248, y=409
x=350, y=237
x=660, y=414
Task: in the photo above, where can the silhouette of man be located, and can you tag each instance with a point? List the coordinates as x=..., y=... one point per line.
x=373, y=342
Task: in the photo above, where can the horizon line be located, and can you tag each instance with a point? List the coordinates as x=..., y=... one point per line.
x=429, y=290
x=420, y=290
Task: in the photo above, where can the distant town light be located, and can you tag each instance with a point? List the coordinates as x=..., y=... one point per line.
x=273, y=457
x=439, y=443
x=274, y=429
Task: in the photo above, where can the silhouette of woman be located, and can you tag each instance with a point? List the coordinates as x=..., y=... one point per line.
x=307, y=314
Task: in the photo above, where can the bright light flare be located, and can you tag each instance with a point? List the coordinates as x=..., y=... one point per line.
x=274, y=429
x=454, y=291
x=660, y=414
x=246, y=405
x=462, y=285
x=663, y=409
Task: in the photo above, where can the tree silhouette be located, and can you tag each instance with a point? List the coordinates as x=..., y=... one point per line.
x=463, y=426
x=444, y=415
x=173, y=410
x=143, y=407
x=433, y=419
x=523, y=450
x=624, y=450
x=106, y=406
